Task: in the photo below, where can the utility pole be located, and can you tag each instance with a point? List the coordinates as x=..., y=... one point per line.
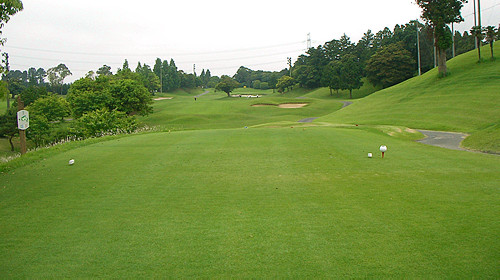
x=194, y=69
x=475, y=23
x=309, y=41
x=418, y=49
x=289, y=59
x=479, y=19
x=453, y=40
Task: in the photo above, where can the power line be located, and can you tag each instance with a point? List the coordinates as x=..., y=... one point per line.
x=489, y=8
x=181, y=61
x=156, y=54
x=211, y=68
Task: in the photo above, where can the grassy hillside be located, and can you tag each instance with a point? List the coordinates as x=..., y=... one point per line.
x=252, y=203
x=466, y=101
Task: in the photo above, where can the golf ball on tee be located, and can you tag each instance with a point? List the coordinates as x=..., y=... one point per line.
x=71, y=161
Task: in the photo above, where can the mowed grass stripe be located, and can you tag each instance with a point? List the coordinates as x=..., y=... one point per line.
x=252, y=202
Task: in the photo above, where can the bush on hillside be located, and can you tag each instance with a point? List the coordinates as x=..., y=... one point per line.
x=103, y=121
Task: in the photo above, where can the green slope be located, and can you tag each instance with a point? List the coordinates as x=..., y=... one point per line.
x=468, y=100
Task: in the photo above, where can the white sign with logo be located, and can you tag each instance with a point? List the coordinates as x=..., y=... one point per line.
x=23, y=119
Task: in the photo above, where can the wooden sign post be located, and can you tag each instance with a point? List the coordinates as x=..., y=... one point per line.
x=23, y=122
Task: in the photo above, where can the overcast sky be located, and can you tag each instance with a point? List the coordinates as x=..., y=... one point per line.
x=219, y=35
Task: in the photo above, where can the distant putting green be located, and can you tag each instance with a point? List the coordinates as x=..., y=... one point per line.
x=260, y=203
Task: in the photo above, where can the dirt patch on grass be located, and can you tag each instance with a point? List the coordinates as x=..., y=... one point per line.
x=162, y=98
x=284, y=105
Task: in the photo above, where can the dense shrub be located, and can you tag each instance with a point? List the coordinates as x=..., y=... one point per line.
x=102, y=122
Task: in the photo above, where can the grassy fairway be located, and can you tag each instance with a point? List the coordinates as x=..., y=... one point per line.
x=216, y=110
x=239, y=203
x=466, y=101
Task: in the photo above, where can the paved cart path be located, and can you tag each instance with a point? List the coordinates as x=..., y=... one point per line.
x=201, y=94
x=448, y=140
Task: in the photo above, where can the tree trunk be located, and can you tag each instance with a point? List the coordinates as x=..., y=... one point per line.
x=479, y=49
x=11, y=144
x=350, y=93
x=442, y=62
x=331, y=92
x=491, y=48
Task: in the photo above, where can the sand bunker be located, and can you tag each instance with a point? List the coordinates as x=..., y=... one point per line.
x=284, y=105
x=292, y=105
x=162, y=98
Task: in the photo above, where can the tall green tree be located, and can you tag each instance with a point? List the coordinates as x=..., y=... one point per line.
x=478, y=33
x=105, y=70
x=439, y=13
x=32, y=93
x=351, y=73
x=148, y=78
x=244, y=76
x=284, y=83
x=174, y=74
x=332, y=76
x=491, y=36
x=157, y=69
x=56, y=75
x=227, y=85
x=390, y=65
x=365, y=47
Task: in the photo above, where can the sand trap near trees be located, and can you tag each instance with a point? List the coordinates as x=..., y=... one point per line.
x=162, y=98
x=284, y=105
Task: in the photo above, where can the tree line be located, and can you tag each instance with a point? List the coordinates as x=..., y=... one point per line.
x=385, y=58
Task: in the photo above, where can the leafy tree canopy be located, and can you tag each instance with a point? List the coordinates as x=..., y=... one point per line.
x=52, y=107
x=390, y=65
x=227, y=85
